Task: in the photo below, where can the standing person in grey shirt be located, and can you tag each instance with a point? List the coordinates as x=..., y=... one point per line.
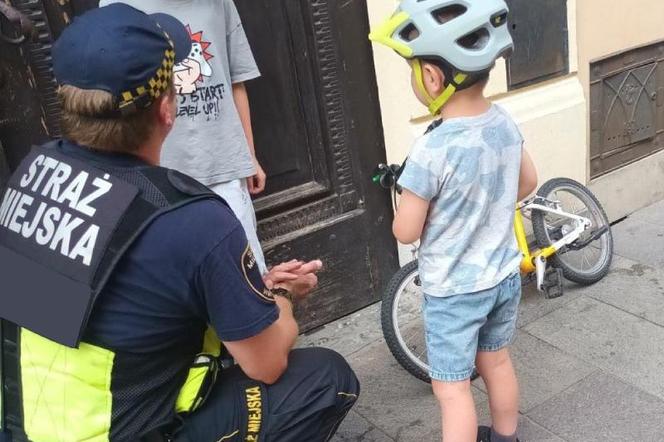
x=212, y=140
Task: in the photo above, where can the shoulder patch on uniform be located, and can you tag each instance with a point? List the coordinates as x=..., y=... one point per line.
x=253, y=276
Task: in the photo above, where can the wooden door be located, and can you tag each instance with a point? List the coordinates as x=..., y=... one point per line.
x=319, y=136
x=28, y=103
x=23, y=119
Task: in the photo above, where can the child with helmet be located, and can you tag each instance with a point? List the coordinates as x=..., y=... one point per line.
x=461, y=184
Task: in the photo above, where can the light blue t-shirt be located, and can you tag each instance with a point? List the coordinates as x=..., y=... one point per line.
x=468, y=168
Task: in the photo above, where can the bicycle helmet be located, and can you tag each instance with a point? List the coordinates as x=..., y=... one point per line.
x=465, y=37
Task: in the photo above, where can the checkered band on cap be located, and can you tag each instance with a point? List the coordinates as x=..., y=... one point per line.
x=146, y=94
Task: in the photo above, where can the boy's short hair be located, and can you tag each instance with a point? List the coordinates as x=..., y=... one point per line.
x=90, y=118
x=481, y=78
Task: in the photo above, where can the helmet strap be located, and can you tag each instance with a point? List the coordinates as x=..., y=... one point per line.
x=419, y=79
x=435, y=104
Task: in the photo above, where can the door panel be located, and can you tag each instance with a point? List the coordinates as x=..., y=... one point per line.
x=29, y=110
x=20, y=116
x=286, y=126
x=318, y=77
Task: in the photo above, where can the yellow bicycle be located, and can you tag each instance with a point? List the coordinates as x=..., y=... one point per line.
x=572, y=240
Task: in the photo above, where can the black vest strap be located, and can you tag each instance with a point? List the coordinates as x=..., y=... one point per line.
x=160, y=191
x=11, y=389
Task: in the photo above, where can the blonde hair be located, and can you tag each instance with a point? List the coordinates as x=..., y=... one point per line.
x=90, y=118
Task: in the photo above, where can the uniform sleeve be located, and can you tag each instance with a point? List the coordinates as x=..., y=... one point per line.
x=422, y=174
x=241, y=60
x=238, y=303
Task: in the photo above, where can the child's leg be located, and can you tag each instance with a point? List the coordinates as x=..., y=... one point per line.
x=498, y=373
x=493, y=359
x=458, y=410
x=452, y=328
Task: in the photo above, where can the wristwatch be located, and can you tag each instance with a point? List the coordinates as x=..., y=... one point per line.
x=283, y=293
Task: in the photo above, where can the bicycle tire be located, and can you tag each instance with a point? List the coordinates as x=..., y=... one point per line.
x=388, y=326
x=542, y=236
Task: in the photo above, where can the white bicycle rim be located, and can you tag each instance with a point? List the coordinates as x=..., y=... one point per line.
x=397, y=327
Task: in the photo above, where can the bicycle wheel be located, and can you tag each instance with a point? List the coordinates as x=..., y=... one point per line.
x=401, y=320
x=581, y=263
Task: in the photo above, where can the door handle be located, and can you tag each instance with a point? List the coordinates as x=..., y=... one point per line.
x=21, y=26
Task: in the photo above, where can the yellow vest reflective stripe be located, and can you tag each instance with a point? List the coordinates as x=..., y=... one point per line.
x=202, y=375
x=67, y=392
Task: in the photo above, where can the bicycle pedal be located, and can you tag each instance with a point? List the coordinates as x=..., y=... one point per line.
x=553, y=283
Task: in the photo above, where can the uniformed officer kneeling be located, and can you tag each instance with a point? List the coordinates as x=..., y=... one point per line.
x=123, y=277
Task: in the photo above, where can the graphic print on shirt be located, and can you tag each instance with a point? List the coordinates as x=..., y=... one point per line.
x=192, y=77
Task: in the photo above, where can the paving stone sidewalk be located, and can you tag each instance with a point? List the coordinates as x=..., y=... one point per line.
x=590, y=364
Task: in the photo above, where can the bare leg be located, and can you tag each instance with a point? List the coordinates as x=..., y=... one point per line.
x=458, y=410
x=498, y=373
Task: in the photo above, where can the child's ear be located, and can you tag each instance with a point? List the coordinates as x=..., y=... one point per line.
x=434, y=79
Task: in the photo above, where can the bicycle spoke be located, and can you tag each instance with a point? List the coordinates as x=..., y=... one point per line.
x=585, y=260
x=591, y=257
x=412, y=335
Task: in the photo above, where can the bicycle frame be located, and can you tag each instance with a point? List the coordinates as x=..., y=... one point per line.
x=535, y=261
x=532, y=261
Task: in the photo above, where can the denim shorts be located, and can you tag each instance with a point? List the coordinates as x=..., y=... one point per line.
x=459, y=326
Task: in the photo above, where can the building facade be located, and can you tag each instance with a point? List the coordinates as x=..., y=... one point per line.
x=585, y=85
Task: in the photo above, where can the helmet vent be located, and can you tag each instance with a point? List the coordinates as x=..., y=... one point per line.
x=476, y=40
x=448, y=13
x=409, y=33
x=499, y=19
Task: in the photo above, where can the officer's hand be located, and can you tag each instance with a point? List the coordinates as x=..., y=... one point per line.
x=298, y=277
x=301, y=286
x=282, y=273
x=307, y=279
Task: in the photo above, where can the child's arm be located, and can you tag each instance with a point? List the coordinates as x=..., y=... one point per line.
x=242, y=67
x=527, y=176
x=255, y=183
x=410, y=218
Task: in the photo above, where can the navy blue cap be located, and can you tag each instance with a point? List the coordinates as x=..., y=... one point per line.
x=123, y=51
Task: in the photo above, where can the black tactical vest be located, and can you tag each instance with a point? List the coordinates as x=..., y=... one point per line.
x=65, y=223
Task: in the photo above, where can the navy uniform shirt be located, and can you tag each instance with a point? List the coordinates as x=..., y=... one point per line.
x=190, y=268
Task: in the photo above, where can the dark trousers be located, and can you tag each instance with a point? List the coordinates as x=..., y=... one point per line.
x=307, y=404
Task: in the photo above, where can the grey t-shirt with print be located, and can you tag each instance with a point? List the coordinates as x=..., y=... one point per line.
x=468, y=169
x=208, y=141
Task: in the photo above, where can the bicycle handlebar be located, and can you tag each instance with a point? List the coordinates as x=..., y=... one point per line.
x=388, y=175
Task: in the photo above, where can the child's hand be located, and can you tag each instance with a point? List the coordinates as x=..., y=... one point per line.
x=256, y=183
